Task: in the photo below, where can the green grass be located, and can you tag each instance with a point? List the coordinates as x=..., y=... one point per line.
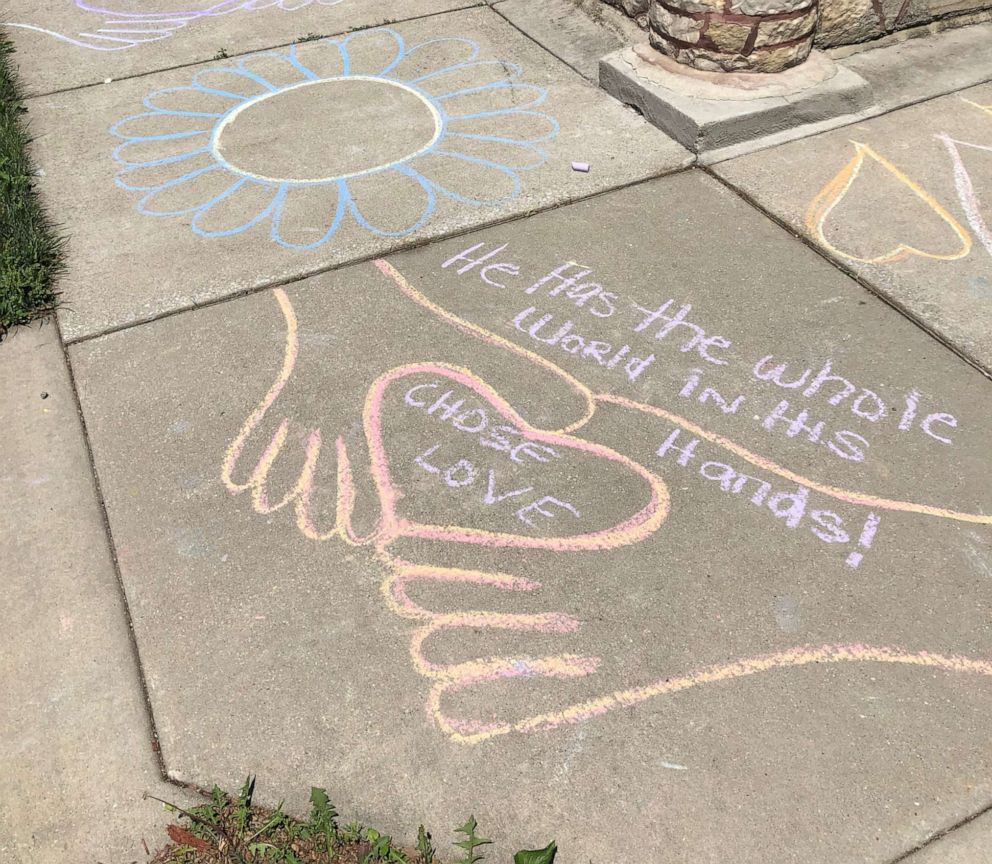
x=31, y=253
x=232, y=829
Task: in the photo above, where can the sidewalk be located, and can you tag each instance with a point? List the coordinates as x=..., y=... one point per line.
x=76, y=752
x=644, y=507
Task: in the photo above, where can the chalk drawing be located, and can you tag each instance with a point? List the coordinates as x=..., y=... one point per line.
x=591, y=399
x=965, y=188
x=634, y=528
x=120, y=28
x=484, y=133
x=986, y=108
x=834, y=192
x=216, y=135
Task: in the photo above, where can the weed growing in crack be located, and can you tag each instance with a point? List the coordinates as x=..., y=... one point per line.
x=233, y=829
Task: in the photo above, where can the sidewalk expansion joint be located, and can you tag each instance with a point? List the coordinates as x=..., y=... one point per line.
x=940, y=835
x=544, y=48
x=469, y=4
x=850, y=273
x=365, y=259
x=105, y=519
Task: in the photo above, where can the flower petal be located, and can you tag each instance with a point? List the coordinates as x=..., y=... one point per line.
x=468, y=179
x=391, y=203
x=464, y=76
x=275, y=67
x=523, y=126
x=154, y=125
x=317, y=60
x=241, y=206
x=306, y=217
x=148, y=177
x=371, y=52
x=187, y=101
x=152, y=151
x=500, y=97
x=521, y=155
x=236, y=84
x=433, y=56
x=188, y=192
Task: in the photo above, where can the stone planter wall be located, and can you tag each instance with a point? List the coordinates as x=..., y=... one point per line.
x=632, y=7
x=734, y=35
x=846, y=22
x=841, y=22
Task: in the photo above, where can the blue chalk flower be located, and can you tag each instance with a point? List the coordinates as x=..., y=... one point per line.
x=361, y=128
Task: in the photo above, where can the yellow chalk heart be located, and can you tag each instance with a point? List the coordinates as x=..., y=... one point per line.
x=834, y=192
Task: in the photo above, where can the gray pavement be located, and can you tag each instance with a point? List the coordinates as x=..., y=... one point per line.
x=564, y=28
x=317, y=640
x=900, y=200
x=193, y=208
x=74, y=43
x=969, y=844
x=601, y=507
x=76, y=751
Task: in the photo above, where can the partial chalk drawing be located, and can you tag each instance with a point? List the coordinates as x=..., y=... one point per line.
x=986, y=108
x=967, y=195
x=118, y=27
x=590, y=400
x=469, y=131
x=648, y=516
x=834, y=192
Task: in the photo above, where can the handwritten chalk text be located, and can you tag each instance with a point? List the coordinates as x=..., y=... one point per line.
x=463, y=473
x=790, y=506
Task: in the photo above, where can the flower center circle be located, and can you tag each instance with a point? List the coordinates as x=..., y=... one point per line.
x=332, y=129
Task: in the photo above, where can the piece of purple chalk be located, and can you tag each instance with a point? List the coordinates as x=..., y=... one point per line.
x=581, y=166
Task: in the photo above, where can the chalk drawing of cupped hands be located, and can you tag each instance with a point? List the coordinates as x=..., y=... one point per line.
x=118, y=25
x=531, y=562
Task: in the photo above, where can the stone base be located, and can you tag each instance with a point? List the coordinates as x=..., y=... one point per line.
x=709, y=110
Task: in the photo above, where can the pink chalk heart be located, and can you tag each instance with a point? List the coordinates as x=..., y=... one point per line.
x=465, y=412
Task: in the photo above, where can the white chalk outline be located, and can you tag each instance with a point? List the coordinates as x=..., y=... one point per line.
x=219, y=130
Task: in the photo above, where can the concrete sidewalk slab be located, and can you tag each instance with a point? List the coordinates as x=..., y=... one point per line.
x=953, y=59
x=76, y=748
x=73, y=43
x=337, y=514
x=238, y=174
x=902, y=200
x=566, y=30
x=969, y=844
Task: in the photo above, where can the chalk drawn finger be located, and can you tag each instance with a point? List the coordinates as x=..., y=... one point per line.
x=476, y=730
